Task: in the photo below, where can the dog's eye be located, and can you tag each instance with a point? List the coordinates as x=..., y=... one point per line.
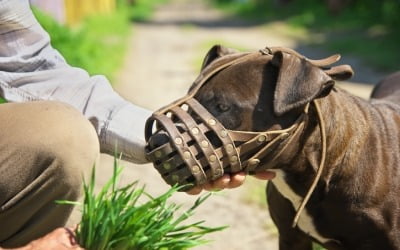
x=222, y=107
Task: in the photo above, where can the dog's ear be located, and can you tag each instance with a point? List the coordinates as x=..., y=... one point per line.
x=215, y=52
x=341, y=72
x=298, y=82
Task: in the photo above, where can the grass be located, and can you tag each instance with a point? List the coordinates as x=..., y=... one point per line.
x=143, y=9
x=129, y=218
x=359, y=30
x=96, y=45
x=99, y=42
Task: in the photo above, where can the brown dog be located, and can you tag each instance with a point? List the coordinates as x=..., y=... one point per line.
x=356, y=203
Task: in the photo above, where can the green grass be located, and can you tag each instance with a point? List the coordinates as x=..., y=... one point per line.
x=365, y=29
x=96, y=45
x=99, y=43
x=129, y=218
x=2, y=100
x=143, y=9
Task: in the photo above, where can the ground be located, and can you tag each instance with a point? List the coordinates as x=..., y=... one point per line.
x=162, y=61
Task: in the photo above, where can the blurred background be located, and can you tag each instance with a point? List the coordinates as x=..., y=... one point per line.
x=151, y=50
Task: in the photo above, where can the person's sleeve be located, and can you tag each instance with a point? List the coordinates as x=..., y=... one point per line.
x=30, y=69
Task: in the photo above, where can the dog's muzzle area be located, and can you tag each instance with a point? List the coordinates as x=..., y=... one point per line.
x=188, y=145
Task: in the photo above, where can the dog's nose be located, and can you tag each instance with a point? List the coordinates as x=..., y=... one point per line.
x=157, y=140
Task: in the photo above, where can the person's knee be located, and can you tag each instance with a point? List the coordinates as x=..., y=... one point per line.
x=64, y=139
x=71, y=141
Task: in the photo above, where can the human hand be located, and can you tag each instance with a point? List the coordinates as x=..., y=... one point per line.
x=229, y=181
x=60, y=239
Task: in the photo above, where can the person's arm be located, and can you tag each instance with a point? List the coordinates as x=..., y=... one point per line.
x=30, y=69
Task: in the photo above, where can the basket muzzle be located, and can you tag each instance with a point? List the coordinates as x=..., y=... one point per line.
x=196, y=148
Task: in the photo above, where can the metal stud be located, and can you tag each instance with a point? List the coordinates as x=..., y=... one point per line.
x=185, y=107
x=175, y=178
x=212, y=122
x=229, y=148
x=261, y=138
x=195, y=169
x=167, y=165
x=224, y=133
x=253, y=162
x=158, y=154
x=212, y=158
x=195, y=131
x=217, y=172
x=233, y=159
x=178, y=140
x=204, y=144
x=187, y=155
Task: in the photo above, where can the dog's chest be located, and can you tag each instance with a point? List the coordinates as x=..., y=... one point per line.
x=305, y=222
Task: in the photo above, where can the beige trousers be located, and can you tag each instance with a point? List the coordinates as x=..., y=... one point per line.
x=45, y=148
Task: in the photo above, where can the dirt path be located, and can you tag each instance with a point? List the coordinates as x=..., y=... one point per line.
x=160, y=66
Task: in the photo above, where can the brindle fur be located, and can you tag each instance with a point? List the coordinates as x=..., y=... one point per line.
x=357, y=200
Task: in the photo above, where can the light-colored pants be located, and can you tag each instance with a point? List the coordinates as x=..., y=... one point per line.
x=45, y=149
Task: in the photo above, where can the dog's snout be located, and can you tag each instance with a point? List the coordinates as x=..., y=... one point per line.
x=158, y=140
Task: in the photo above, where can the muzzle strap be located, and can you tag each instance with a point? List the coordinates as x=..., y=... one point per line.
x=205, y=145
x=233, y=158
x=184, y=151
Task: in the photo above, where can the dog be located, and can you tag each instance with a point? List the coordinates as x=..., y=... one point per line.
x=356, y=201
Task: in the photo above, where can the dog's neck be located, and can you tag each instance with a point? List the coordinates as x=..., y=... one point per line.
x=347, y=127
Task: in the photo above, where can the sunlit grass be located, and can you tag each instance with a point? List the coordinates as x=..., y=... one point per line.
x=129, y=218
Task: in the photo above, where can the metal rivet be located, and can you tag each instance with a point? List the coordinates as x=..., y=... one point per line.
x=158, y=154
x=204, y=144
x=175, y=178
x=187, y=155
x=195, y=131
x=212, y=158
x=167, y=165
x=195, y=169
x=178, y=140
x=233, y=159
x=285, y=135
x=217, y=172
x=212, y=122
x=185, y=107
x=229, y=148
x=262, y=138
x=224, y=133
x=253, y=162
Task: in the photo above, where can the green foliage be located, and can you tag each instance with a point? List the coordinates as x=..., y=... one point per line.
x=2, y=100
x=317, y=247
x=367, y=29
x=142, y=10
x=97, y=45
x=118, y=218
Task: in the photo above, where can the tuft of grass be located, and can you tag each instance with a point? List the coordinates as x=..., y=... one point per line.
x=118, y=218
x=2, y=100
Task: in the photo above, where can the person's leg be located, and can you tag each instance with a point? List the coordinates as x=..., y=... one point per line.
x=45, y=147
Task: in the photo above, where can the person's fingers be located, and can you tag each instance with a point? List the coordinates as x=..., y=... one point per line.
x=218, y=184
x=265, y=175
x=195, y=190
x=237, y=180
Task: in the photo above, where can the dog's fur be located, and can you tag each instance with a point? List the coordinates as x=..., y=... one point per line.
x=356, y=204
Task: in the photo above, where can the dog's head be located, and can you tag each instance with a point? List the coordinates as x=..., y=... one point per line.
x=265, y=92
